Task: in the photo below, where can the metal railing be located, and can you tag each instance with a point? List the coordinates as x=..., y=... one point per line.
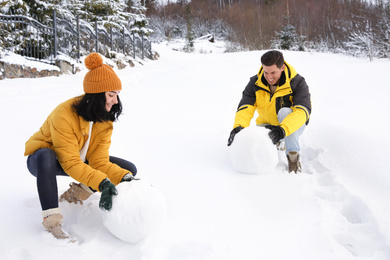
x=28, y=37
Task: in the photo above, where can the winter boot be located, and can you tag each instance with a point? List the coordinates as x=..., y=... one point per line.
x=294, y=164
x=76, y=193
x=53, y=224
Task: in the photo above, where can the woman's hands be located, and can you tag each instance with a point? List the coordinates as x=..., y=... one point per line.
x=108, y=190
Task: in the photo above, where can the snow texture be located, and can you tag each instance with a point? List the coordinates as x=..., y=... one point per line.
x=178, y=113
x=137, y=212
x=253, y=152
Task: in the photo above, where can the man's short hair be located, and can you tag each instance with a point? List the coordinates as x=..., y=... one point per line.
x=272, y=58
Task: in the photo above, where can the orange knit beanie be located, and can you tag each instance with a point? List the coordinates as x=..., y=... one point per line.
x=100, y=77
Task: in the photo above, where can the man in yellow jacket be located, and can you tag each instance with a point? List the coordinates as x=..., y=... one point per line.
x=75, y=140
x=282, y=99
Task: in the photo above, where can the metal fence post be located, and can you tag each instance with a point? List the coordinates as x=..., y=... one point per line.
x=97, y=43
x=111, y=46
x=123, y=36
x=55, y=33
x=142, y=41
x=78, y=37
x=133, y=45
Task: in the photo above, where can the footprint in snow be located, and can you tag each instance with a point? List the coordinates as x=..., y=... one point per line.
x=347, y=219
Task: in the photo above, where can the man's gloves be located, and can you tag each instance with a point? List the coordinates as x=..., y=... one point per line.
x=233, y=133
x=107, y=189
x=276, y=134
x=128, y=177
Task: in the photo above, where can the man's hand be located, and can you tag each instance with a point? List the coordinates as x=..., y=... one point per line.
x=107, y=189
x=276, y=134
x=233, y=133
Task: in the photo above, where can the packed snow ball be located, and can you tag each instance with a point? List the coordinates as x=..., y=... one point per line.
x=137, y=212
x=252, y=151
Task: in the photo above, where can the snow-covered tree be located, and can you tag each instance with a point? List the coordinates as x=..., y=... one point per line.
x=106, y=13
x=166, y=28
x=383, y=32
x=43, y=10
x=362, y=45
x=119, y=14
x=13, y=7
x=21, y=37
x=287, y=37
x=138, y=22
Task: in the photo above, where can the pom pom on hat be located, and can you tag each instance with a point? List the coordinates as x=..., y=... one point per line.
x=93, y=61
x=100, y=77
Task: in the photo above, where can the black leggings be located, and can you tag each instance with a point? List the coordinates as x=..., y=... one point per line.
x=44, y=165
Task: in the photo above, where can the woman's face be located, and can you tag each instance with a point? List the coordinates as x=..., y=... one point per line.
x=111, y=99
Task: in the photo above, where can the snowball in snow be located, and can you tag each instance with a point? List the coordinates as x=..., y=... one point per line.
x=252, y=151
x=137, y=211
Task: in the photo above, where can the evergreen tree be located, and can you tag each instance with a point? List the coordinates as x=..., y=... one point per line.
x=107, y=13
x=288, y=37
x=14, y=7
x=138, y=22
x=43, y=10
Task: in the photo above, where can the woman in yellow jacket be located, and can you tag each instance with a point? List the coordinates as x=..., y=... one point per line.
x=75, y=140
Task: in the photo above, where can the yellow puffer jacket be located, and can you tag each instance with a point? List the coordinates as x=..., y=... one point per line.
x=65, y=132
x=292, y=92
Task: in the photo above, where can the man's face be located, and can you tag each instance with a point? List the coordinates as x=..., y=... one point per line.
x=272, y=74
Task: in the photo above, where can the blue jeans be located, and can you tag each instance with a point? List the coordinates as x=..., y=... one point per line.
x=292, y=141
x=43, y=164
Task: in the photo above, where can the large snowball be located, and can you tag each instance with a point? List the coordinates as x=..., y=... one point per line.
x=252, y=151
x=137, y=211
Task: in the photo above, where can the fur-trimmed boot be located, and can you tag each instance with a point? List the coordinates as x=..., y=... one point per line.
x=76, y=193
x=294, y=164
x=52, y=221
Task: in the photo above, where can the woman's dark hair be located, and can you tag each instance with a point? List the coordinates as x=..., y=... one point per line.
x=92, y=107
x=272, y=58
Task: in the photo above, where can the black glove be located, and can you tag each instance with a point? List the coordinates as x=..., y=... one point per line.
x=233, y=133
x=107, y=189
x=276, y=134
x=128, y=177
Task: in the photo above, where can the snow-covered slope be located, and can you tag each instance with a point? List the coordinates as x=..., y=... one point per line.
x=178, y=114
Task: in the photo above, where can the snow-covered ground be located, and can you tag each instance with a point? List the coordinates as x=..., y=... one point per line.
x=178, y=113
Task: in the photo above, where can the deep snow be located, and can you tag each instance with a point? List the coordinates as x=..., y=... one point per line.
x=178, y=113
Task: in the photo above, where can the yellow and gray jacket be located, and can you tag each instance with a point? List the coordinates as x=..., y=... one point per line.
x=292, y=92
